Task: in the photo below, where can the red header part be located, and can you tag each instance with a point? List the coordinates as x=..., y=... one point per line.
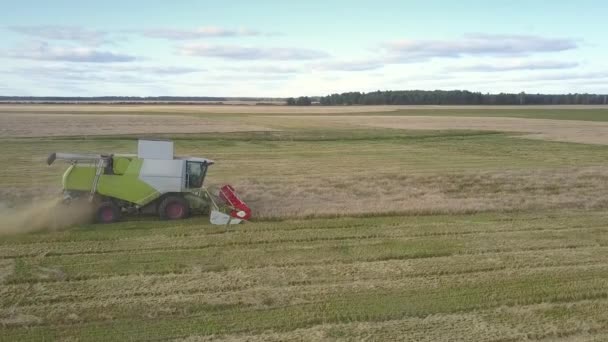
x=229, y=196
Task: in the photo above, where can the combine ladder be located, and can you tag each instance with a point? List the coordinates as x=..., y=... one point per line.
x=101, y=164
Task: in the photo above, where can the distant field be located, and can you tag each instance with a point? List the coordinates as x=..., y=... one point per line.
x=41, y=125
x=589, y=132
x=561, y=123
x=311, y=172
x=439, y=224
x=571, y=112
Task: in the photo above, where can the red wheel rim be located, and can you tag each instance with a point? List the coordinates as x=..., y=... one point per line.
x=107, y=214
x=175, y=211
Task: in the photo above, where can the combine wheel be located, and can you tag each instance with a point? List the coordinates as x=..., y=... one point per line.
x=107, y=212
x=173, y=208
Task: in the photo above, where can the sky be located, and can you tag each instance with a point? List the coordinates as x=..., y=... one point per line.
x=294, y=48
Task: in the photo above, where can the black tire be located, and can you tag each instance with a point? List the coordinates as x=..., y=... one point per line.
x=107, y=212
x=173, y=208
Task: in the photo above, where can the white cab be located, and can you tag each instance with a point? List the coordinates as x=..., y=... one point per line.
x=163, y=175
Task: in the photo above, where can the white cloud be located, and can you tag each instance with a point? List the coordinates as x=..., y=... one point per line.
x=265, y=69
x=471, y=45
x=109, y=73
x=251, y=78
x=197, y=33
x=510, y=65
x=565, y=76
x=238, y=52
x=43, y=51
x=67, y=33
x=157, y=70
x=413, y=50
x=350, y=65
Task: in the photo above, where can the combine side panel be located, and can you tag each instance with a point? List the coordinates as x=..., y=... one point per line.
x=128, y=186
x=79, y=178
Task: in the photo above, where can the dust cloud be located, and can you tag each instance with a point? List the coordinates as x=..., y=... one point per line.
x=43, y=215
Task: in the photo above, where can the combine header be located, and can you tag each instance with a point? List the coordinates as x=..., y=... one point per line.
x=153, y=181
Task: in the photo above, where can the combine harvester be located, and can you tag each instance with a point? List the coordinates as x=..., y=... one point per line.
x=154, y=181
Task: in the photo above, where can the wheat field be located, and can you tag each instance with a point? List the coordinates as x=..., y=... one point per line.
x=365, y=228
x=485, y=277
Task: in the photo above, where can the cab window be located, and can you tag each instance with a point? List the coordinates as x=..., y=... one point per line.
x=195, y=172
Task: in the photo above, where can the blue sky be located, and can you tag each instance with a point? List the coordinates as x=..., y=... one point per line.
x=282, y=48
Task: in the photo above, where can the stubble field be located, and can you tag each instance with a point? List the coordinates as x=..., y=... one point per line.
x=426, y=224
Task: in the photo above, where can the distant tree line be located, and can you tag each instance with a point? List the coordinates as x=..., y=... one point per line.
x=389, y=97
x=300, y=101
x=453, y=97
